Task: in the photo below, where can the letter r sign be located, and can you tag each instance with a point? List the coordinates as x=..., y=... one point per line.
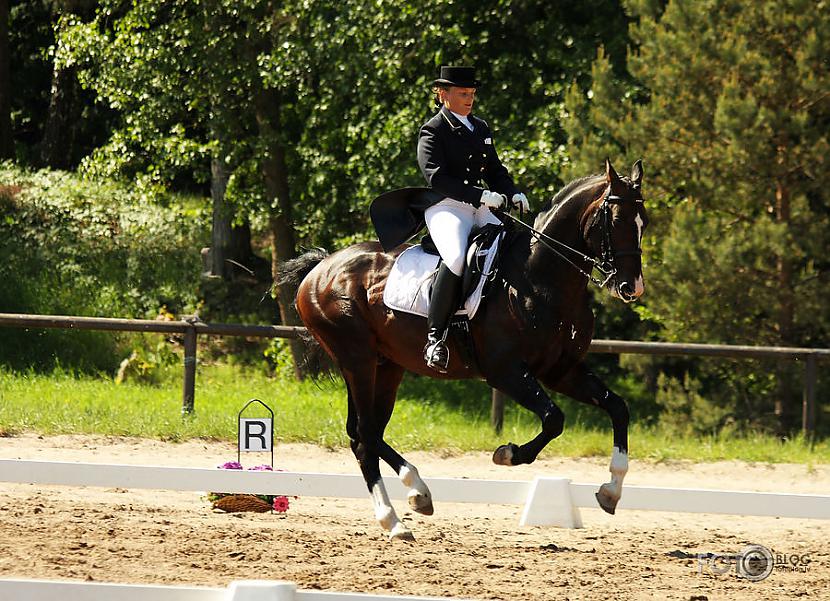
x=255, y=434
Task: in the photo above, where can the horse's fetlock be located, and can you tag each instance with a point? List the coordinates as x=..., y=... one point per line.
x=409, y=475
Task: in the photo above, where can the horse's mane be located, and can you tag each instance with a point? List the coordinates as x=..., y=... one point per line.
x=565, y=192
x=550, y=207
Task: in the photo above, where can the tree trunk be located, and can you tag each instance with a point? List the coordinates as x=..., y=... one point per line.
x=784, y=400
x=57, y=146
x=220, y=233
x=281, y=223
x=6, y=142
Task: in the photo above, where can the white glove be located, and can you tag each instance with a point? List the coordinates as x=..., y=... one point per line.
x=519, y=201
x=492, y=200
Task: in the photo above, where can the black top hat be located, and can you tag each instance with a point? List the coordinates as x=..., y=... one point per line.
x=462, y=77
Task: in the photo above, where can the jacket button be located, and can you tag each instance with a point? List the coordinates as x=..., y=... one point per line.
x=466, y=182
x=468, y=168
x=469, y=157
x=484, y=155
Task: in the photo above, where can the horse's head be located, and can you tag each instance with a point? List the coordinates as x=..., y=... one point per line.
x=615, y=231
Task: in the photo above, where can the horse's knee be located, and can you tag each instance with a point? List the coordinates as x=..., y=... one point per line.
x=369, y=438
x=554, y=422
x=359, y=450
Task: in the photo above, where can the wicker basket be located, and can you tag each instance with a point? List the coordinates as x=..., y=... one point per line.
x=239, y=503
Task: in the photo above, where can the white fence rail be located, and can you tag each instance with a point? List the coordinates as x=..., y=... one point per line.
x=244, y=590
x=547, y=501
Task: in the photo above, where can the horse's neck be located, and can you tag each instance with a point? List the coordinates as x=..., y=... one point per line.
x=566, y=223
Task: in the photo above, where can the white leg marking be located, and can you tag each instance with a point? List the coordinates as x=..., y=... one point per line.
x=420, y=499
x=619, y=468
x=384, y=512
x=412, y=480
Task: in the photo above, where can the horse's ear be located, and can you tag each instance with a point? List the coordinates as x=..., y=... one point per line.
x=637, y=173
x=610, y=175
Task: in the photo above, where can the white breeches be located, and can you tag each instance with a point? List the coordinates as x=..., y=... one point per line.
x=449, y=223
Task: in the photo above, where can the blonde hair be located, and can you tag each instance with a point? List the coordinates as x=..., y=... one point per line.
x=436, y=90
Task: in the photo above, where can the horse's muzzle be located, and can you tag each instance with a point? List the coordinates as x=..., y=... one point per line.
x=628, y=292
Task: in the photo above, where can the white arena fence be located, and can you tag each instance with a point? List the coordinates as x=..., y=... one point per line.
x=547, y=501
x=243, y=590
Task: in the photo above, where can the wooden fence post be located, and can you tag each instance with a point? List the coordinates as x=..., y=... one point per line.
x=808, y=408
x=189, y=387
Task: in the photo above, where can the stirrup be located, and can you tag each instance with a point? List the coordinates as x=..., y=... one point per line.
x=437, y=355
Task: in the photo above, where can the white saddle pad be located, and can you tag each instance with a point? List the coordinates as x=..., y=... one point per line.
x=407, y=288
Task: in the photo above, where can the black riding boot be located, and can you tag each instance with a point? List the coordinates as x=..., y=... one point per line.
x=442, y=304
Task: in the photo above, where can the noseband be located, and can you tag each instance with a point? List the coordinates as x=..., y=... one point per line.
x=606, y=265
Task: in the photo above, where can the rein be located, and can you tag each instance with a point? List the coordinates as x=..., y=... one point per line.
x=605, y=265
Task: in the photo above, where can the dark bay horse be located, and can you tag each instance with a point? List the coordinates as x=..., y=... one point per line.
x=534, y=328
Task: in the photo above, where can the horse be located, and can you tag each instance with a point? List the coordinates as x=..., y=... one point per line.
x=533, y=330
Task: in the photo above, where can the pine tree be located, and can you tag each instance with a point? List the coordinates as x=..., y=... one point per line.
x=734, y=135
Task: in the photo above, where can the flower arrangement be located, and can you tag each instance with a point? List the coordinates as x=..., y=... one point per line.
x=232, y=503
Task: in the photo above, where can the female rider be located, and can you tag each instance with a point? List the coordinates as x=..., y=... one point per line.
x=455, y=153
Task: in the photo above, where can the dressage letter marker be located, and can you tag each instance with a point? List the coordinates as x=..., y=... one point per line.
x=256, y=434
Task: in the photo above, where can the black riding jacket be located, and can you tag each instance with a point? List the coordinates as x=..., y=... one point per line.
x=455, y=160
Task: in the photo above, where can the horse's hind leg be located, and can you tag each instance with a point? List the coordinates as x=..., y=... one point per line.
x=387, y=379
x=362, y=428
x=582, y=385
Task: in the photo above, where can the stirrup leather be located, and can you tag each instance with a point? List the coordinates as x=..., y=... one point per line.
x=437, y=355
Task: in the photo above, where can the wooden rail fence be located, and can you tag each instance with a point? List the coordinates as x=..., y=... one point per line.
x=191, y=328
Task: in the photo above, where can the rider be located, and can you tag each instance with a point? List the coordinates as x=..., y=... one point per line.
x=455, y=152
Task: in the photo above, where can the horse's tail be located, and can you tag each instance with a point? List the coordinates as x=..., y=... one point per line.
x=291, y=273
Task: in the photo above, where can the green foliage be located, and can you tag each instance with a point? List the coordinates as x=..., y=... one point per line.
x=150, y=362
x=79, y=247
x=278, y=356
x=347, y=114
x=729, y=111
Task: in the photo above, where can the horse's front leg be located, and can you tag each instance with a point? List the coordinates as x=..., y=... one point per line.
x=582, y=385
x=516, y=382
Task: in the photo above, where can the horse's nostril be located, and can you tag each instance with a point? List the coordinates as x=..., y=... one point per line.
x=626, y=289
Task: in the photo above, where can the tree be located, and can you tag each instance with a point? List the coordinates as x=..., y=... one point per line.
x=732, y=123
x=6, y=142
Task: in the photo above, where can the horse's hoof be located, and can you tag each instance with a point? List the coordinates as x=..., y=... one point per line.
x=506, y=454
x=606, y=501
x=401, y=532
x=421, y=504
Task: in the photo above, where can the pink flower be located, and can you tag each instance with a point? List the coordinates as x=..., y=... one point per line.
x=231, y=465
x=261, y=468
x=280, y=504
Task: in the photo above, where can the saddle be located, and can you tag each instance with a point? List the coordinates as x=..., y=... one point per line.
x=409, y=284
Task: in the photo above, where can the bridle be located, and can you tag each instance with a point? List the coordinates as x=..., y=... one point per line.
x=606, y=265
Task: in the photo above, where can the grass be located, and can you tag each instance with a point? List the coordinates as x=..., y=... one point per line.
x=447, y=417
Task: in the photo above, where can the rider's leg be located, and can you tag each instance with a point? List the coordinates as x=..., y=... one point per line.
x=483, y=216
x=442, y=304
x=449, y=223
